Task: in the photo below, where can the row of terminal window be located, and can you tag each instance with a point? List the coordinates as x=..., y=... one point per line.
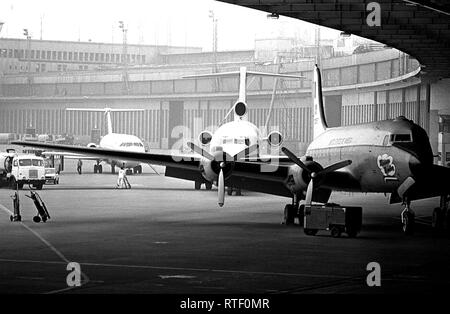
x=71, y=56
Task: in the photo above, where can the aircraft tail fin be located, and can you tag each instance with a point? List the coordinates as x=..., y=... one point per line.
x=320, y=122
x=107, y=112
x=240, y=107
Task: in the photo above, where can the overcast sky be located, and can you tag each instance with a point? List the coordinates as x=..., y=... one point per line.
x=174, y=22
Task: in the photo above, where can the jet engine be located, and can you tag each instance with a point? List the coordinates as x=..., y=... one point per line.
x=240, y=108
x=92, y=145
x=298, y=179
x=205, y=138
x=275, y=139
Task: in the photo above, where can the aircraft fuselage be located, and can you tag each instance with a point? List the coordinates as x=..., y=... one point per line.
x=383, y=153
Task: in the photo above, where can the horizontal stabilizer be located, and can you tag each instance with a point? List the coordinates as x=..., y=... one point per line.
x=249, y=73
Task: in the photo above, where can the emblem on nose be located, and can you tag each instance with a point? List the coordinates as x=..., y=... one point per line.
x=386, y=165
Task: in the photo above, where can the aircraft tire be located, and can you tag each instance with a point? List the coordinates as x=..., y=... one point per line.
x=229, y=191
x=95, y=168
x=100, y=169
x=198, y=185
x=289, y=214
x=37, y=219
x=208, y=185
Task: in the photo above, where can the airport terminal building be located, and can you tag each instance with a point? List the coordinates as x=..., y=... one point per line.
x=360, y=87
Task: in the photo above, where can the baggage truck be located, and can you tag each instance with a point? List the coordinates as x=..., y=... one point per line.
x=334, y=218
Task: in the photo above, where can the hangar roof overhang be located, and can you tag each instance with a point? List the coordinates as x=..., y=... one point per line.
x=419, y=28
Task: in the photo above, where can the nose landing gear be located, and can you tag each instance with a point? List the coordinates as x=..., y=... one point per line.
x=408, y=218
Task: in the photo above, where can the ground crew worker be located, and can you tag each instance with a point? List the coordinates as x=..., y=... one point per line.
x=120, y=177
x=125, y=180
x=79, y=164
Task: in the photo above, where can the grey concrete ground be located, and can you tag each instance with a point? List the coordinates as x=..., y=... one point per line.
x=162, y=236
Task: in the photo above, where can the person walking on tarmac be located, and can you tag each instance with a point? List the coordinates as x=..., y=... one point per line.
x=120, y=178
x=79, y=165
x=125, y=179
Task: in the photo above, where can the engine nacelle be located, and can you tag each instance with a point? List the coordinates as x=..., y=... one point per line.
x=210, y=169
x=275, y=138
x=205, y=138
x=240, y=109
x=92, y=145
x=298, y=179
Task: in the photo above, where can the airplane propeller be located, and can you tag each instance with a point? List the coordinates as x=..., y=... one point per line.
x=221, y=186
x=313, y=175
x=221, y=178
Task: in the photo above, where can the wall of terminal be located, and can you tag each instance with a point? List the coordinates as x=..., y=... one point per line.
x=62, y=56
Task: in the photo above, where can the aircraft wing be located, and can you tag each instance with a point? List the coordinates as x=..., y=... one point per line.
x=105, y=153
x=69, y=155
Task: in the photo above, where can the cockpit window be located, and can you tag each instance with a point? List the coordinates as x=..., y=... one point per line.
x=400, y=138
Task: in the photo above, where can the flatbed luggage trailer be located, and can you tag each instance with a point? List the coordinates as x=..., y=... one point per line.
x=335, y=218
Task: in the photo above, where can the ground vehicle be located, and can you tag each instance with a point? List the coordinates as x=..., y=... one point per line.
x=337, y=219
x=51, y=176
x=20, y=169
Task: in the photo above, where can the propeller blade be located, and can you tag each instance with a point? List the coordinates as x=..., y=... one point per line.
x=295, y=159
x=221, y=189
x=335, y=167
x=200, y=151
x=309, y=192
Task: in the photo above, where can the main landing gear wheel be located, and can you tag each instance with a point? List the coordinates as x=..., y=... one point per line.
x=230, y=191
x=198, y=185
x=113, y=169
x=208, y=185
x=289, y=214
x=336, y=232
x=310, y=232
x=95, y=168
x=37, y=219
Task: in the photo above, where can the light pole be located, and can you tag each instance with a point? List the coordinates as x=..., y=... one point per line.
x=124, y=57
x=214, y=45
x=28, y=36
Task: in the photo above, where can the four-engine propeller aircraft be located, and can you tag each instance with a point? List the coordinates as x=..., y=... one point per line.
x=391, y=156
